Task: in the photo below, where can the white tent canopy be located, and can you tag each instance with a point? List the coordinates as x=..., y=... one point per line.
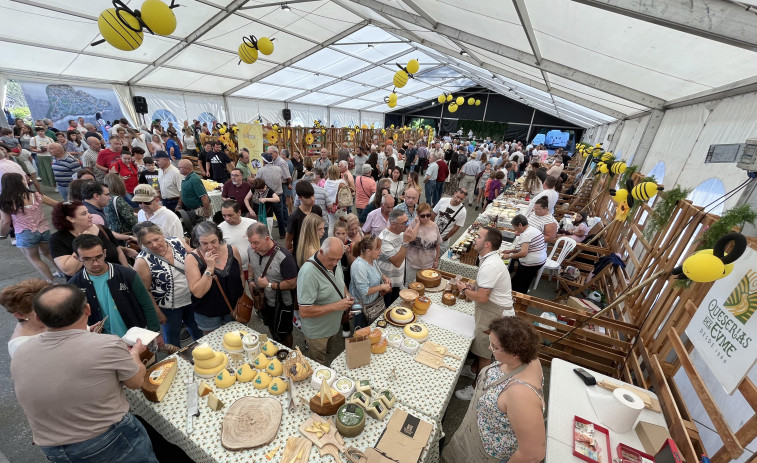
x=588, y=62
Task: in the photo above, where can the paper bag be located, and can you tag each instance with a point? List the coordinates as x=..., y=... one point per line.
x=404, y=438
x=357, y=352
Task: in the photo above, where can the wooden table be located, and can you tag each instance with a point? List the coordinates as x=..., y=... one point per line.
x=568, y=398
x=169, y=417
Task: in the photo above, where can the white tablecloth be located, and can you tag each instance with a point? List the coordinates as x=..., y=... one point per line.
x=169, y=417
x=567, y=398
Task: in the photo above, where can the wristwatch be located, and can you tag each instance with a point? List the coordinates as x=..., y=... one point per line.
x=270, y=285
x=404, y=245
x=208, y=273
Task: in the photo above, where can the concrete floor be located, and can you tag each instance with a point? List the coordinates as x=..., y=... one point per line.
x=16, y=441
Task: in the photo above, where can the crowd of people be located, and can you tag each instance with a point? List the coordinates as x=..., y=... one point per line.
x=131, y=237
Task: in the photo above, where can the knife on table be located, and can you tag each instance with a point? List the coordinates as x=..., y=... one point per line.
x=192, y=402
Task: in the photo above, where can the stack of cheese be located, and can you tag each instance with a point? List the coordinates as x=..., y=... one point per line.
x=232, y=341
x=207, y=361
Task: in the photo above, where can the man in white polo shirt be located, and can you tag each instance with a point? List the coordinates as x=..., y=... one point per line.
x=493, y=297
x=150, y=209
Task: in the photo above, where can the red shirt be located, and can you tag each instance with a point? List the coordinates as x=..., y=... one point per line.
x=236, y=193
x=106, y=157
x=128, y=172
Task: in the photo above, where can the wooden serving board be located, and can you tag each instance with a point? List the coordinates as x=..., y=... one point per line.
x=250, y=422
x=294, y=446
x=437, y=349
x=650, y=402
x=431, y=360
x=330, y=438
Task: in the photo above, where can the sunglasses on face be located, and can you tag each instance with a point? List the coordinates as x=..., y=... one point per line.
x=146, y=203
x=424, y=216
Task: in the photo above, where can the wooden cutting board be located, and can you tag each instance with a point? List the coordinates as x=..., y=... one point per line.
x=431, y=360
x=250, y=422
x=438, y=350
x=328, y=438
x=296, y=447
x=650, y=402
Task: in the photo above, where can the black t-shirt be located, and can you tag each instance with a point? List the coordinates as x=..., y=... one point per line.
x=149, y=178
x=62, y=244
x=218, y=163
x=295, y=224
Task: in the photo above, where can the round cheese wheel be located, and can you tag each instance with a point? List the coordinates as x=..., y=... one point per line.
x=322, y=374
x=350, y=420
x=410, y=346
x=375, y=336
x=429, y=278
x=203, y=352
x=401, y=314
x=417, y=287
x=233, y=340
x=394, y=339
x=379, y=347
x=363, y=332
x=225, y=378
x=448, y=299
x=212, y=362
x=416, y=331
x=345, y=386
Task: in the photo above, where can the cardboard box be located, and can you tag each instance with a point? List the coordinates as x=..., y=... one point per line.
x=585, y=306
x=403, y=440
x=652, y=436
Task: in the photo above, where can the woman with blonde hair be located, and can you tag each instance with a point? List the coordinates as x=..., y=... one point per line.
x=424, y=251
x=155, y=145
x=532, y=184
x=313, y=230
x=17, y=299
x=119, y=214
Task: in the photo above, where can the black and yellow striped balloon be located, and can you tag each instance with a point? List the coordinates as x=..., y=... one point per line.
x=247, y=53
x=618, y=167
x=644, y=191
x=116, y=33
x=400, y=79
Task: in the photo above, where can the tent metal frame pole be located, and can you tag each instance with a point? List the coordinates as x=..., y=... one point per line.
x=486, y=106
x=531, y=125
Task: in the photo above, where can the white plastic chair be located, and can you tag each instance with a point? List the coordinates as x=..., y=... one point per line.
x=568, y=244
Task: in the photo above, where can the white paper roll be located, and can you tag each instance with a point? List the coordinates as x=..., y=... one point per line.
x=617, y=410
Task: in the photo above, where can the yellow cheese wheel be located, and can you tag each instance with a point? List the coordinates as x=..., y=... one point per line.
x=277, y=386
x=262, y=380
x=269, y=349
x=401, y=314
x=233, y=340
x=211, y=363
x=416, y=331
x=224, y=379
x=212, y=371
x=203, y=352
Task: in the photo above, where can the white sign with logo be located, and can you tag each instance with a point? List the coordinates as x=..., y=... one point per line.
x=723, y=329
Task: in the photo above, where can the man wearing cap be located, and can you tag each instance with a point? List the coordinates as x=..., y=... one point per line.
x=273, y=178
x=169, y=180
x=150, y=209
x=194, y=196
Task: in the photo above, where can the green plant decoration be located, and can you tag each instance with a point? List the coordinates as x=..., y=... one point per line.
x=736, y=217
x=483, y=129
x=663, y=210
x=630, y=170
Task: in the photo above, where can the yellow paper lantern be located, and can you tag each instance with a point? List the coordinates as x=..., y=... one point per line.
x=393, y=97
x=460, y=101
x=265, y=45
x=703, y=268
x=115, y=32
x=159, y=17
x=449, y=97
x=441, y=99
x=478, y=102
x=471, y=101
x=400, y=79
x=413, y=66
x=452, y=107
x=247, y=53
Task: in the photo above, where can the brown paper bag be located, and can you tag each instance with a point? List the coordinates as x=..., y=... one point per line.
x=404, y=438
x=357, y=352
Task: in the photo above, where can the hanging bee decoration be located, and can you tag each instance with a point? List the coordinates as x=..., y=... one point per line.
x=709, y=265
x=250, y=46
x=124, y=28
x=623, y=200
x=391, y=100
x=401, y=77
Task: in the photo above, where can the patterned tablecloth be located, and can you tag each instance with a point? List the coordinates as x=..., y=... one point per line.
x=169, y=417
x=416, y=385
x=215, y=200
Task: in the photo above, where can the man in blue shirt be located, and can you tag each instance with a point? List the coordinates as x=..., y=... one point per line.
x=64, y=167
x=172, y=148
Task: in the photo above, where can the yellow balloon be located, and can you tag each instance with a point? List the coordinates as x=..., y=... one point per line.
x=621, y=195
x=158, y=17
x=383, y=131
x=392, y=104
x=400, y=79
x=323, y=130
x=603, y=168
x=413, y=66
x=618, y=167
x=265, y=45
x=471, y=101
x=247, y=53
x=607, y=156
x=478, y=102
x=222, y=130
x=452, y=107
x=703, y=268
x=393, y=97
x=644, y=191
x=460, y=101
x=449, y=97
x=441, y=99
x=115, y=32
x=709, y=252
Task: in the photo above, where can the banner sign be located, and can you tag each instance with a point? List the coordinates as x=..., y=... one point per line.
x=723, y=329
x=250, y=136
